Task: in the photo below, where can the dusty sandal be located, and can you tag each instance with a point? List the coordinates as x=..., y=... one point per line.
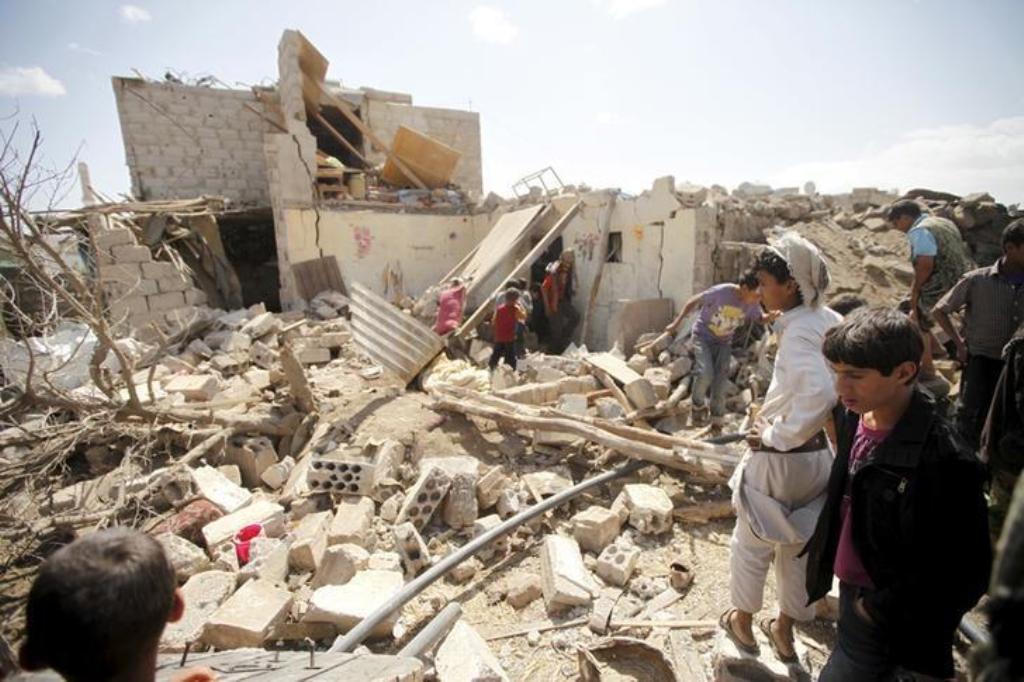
x=724, y=623
x=766, y=628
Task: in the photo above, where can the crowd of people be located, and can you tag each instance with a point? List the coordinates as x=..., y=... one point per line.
x=853, y=470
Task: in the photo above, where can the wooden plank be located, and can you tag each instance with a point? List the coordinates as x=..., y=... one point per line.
x=433, y=161
x=504, y=238
x=535, y=253
x=316, y=275
x=615, y=367
x=340, y=138
x=354, y=119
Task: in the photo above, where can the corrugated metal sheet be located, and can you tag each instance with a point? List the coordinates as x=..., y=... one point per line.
x=397, y=341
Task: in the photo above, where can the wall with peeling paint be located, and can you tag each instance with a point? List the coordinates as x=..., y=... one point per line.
x=390, y=253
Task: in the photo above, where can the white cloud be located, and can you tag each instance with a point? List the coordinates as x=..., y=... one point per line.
x=620, y=9
x=955, y=158
x=75, y=47
x=133, y=14
x=492, y=25
x=607, y=118
x=29, y=80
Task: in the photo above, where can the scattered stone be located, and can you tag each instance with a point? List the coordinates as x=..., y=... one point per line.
x=650, y=508
x=277, y=474
x=595, y=528
x=544, y=484
x=202, y=594
x=269, y=514
x=464, y=572
x=489, y=487
x=509, y=503
x=339, y=564
x=310, y=542
x=187, y=558
x=385, y=561
x=346, y=605
x=218, y=489
x=353, y=523
x=268, y=560
x=253, y=455
x=197, y=387
x=609, y=408
x=497, y=548
x=248, y=616
x=564, y=579
x=460, y=508
x=464, y=655
x=390, y=507
x=522, y=589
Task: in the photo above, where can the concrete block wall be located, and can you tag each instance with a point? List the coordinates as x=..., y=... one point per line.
x=139, y=291
x=457, y=129
x=183, y=141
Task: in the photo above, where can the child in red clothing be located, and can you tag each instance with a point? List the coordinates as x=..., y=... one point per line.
x=504, y=322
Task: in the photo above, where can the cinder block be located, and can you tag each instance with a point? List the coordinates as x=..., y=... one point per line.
x=412, y=549
x=203, y=594
x=617, y=563
x=186, y=557
x=460, y=508
x=178, y=283
x=351, y=477
x=565, y=581
x=215, y=487
x=595, y=528
x=159, y=270
x=248, y=616
x=195, y=297
x=168, y=301
x=650, y=508
x=131, y=253
x=127, y=274
x=107, y=239
x=128, y=307
x=253, y=455
x=310, y=542
x=497, y=548
x=353, y=523
x=425, y=496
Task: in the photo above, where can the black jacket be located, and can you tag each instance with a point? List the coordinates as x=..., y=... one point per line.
x=920, y=527
x=1002, y=440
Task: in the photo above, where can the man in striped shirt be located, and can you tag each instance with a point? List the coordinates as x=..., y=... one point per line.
x=992, y=301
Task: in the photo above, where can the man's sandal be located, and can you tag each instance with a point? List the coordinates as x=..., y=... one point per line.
x=766, y=628
x=726, y=625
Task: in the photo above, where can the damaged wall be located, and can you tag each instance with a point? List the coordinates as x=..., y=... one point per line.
x=457, y=129
x=419, y=248
x=184, y=141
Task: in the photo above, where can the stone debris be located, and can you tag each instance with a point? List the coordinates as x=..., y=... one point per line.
x=248, y=616
x=411, y=548
x=213, y=485
x=353, y=523
x=565, y=581
x=464, y=655
x=616, y=564
x=650, y=508
x=187, y=558
x=522, y=589
x=310, y=543
x=339, y=564
x=424, y=497
x=346, y=605
x=268, y=514
x=595, y=528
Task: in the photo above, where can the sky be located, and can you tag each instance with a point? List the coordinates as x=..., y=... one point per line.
x=611, y=93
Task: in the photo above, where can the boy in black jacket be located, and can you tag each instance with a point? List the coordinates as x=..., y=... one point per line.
x=904, y=527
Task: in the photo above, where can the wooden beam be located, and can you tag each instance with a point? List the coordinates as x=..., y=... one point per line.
x=354, y=119
x=535, y=253
x=486, y=272
x=339, y=137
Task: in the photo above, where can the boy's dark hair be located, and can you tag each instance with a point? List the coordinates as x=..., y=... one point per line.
x=748, y=279
x=846, y=304
x=98, y=604
x=903, y=207
x=512, y=294
x=1014, y=233
x=770, y=262
x=875, y=338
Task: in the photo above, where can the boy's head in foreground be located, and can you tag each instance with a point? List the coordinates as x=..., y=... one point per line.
x=876, y=355
x=98, y=607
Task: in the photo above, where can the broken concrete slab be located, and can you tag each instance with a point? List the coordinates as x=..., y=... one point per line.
x=464, y=655
x=253, y=455
x=339, y=564
x=268, y=560
x=269, y=514
x=544, y=484
x=595, y=528
x=564, y=579
x=460, y=507
x=188, y=559
x=248, y=616
x=346, y=605
x=218, y=489
x=276, y=475
x=202, y=594
x=195, y=387
x=310, y=542
x=489, y=487
x=353, y=523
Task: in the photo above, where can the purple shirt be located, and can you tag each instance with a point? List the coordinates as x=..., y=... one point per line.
x=848, y=566
x=722, y=312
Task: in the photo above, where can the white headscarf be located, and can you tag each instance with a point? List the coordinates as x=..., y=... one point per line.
x=806, y=265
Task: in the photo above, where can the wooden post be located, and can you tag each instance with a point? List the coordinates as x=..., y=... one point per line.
x=339, y=137
x=535, y=253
